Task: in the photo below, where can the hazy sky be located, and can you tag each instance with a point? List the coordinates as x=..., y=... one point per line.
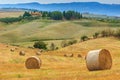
x=58, y=1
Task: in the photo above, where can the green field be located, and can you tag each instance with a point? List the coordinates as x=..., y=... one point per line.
x=25, y=33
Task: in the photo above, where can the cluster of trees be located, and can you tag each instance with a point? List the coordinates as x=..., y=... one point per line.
x=103, y=33
x=110, y=32
x=40, y=45
x=65, y=43
x=57, y=15
x=43, y=45
x=26, y=14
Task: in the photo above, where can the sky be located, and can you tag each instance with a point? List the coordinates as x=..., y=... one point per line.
x=57, y=1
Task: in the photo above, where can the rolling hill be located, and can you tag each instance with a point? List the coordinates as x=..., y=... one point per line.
x=83, y=7
x=55, y=66
x=51, y=30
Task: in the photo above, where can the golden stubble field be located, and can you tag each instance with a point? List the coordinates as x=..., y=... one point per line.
x=57, y=67
x=10, y=14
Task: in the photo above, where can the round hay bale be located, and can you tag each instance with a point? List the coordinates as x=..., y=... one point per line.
x=12, y=50
x=22, y=53
x=38, y=53
x=79, y=55
x=71, y=55
x=68, y=55
x=65, y=55
x=7, y=46
x=98, y=60
x=85, y=57
x=16, y=48
x=33, y=62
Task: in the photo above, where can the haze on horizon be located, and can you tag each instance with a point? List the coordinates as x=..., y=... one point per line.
x=56, y=1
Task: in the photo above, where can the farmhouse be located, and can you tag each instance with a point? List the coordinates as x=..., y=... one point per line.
x=34, y=14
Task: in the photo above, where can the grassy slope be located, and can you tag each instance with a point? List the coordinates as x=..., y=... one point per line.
x=25, y=32
x=55, y=67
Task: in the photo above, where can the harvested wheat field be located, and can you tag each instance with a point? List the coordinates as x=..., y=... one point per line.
x=10, y=14
x=57, y=67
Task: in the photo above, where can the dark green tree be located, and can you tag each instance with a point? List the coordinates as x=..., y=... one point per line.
x=64, y=13
x=26, y=14
x=71, y=42
x=84, y=38
x=56, y=15
x=45, y=14
x=69, y=15
x=40, y=45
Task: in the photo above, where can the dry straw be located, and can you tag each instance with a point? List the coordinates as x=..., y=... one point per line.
x=98, y=60
x=38, y=53
x=33, y=62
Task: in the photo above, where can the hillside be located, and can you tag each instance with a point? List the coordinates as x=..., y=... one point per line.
x=82, y=48
x=47, y=30
x=83, y=7
x=55, y=67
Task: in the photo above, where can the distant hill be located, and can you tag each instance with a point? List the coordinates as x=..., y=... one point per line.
x=83, y=7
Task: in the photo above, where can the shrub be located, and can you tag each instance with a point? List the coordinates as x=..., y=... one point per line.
x=117, y=34
x=84, y=38
x=107, y=33
x=52, y=46
x=19, y=76
x=64, y=43
x=72, y=42
x=57, y=48
x=40, y=45
x=103, y=33
x=96, y=35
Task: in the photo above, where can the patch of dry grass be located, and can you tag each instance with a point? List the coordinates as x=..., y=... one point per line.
x=57, y=67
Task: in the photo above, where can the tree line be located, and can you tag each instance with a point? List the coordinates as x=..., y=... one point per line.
x=55, y=15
